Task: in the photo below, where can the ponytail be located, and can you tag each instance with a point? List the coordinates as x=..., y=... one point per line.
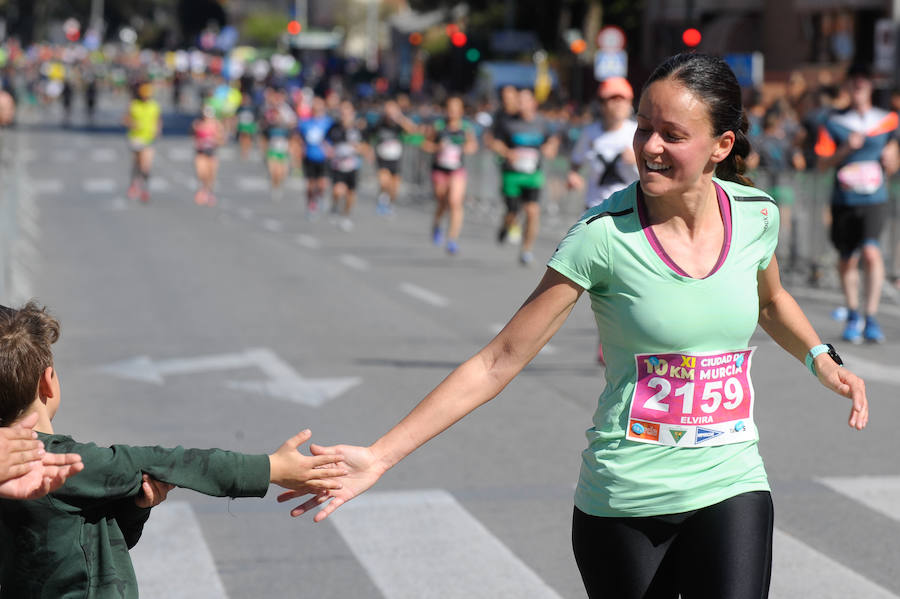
x=734, y=166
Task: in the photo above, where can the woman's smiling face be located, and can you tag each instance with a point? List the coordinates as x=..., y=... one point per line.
x=674, y=142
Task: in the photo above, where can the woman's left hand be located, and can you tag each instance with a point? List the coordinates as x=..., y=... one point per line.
x=844, y=382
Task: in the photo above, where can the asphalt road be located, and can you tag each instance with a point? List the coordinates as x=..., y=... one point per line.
x=238, y=325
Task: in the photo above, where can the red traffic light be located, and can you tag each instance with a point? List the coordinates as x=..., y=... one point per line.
x=294, y=27
x=415, y=38
x=691, y=37
x=578, y=46
x=458, y=39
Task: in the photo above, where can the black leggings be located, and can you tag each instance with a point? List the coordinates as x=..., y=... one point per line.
x=723, y=551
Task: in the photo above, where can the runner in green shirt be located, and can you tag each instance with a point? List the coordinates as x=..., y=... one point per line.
x=672, y=498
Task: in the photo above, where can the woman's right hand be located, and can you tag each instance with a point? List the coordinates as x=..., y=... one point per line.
x=363, y=471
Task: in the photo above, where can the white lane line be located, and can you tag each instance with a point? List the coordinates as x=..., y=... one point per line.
x=253, y=184
x=172, y=559
x=354, y=262
x=103, y=155
x=180, y=154
x=99, y=185
x=548, y=349
x=800, y=571
x=871, y=371
x=273, y=225
x=423, y=545
x=879, y=493
x=46, y=186
x=159, y=184
x=308, y=241
x=425, y=295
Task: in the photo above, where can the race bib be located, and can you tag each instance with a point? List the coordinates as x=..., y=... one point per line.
x=344, y=158
x=526, y=160
x=449, y=156
x=390, y=149
x=278, y=144
x=864, y=177
x=245, y=117
x=315, y=136
x=692, y=400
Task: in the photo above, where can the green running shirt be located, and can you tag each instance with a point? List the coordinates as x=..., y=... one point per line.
x=642, y=305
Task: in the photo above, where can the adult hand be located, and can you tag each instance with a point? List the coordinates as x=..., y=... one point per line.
x=20, y=449
x=844, y=382
x=44, y=477
x=574, y=181
x=856, y=140
x=363, y=470
x=153, y=492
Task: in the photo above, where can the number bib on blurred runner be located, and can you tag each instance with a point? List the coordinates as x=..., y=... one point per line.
x=864, y=177
x=692, y=399
x=389, y=149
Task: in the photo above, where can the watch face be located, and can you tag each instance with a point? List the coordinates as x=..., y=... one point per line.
x=834, y=355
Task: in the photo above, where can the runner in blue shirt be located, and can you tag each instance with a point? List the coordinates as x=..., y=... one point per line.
x=312, y=137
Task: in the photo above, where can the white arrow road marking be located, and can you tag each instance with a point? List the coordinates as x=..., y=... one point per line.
x=425, y=295
x=800, y=571
x=424, y=545
x=172, y=559
x=283, y=381
x=880, y=493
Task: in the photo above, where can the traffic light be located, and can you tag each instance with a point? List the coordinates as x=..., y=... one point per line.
x=294, y=27
x=578, y=46
x=415, y=38
x=473, y=55
x=691, y=37
x=458, y=39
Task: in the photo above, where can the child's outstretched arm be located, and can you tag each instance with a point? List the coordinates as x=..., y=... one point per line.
x=301, y=473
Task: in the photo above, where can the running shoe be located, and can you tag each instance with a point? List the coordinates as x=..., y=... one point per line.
x=145, y=196
x=872, y=333
x=515, y=234
x=437, y=236
x=853, y=328
x=210, y=199
x=501, y=235
x=526, y=258
x=452, y=247
x=382, y=204
x=134, y=191
x=200, y=197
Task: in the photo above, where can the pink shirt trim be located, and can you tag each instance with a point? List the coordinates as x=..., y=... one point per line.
x=724, y=211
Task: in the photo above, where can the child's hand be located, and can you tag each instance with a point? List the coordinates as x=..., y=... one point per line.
x=302, y=473
x=153, y=492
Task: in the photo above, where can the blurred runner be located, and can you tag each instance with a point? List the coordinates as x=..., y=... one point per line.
x=312, y=139
x=144, y=124
x=344, y=144
x=209, y=134
x=246, y=125
x=278, y=120
x=448, y=139
x=509, y=109
x=605, y=146
x=524, y=142
x=388, y=150
x=859, y=142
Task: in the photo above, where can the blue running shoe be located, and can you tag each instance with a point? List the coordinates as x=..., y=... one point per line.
x=853, y=328
x=437, y=236
x=452, y=247
x=872, y=333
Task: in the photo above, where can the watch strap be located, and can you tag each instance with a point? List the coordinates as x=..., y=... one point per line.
x=811, y=355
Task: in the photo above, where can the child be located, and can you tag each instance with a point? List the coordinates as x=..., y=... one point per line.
x=74, y=542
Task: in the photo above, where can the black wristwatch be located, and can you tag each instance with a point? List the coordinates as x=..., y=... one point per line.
x=821, y=349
